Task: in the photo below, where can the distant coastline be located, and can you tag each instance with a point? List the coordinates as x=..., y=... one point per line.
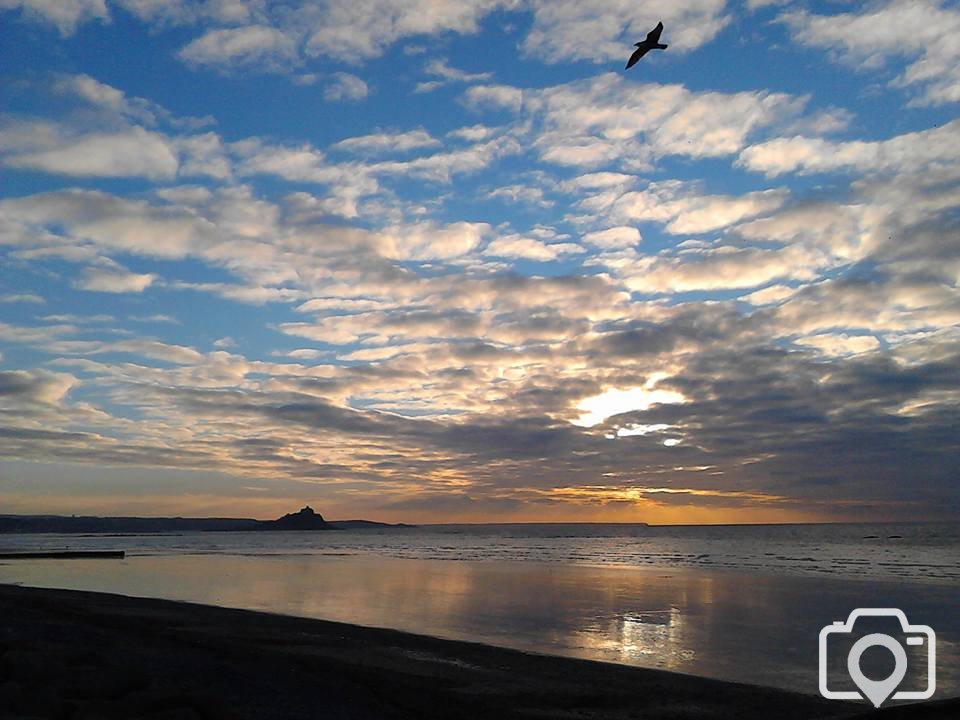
x=305, y=519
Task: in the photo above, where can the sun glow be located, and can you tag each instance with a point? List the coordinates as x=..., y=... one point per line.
x=594, y=410
x=635, y=429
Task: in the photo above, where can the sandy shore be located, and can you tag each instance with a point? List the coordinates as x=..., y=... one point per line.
x=67, y=654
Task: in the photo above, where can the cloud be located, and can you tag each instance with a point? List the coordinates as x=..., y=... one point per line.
x=203, y=155
x=683, y=211
x=447, y=75
x=65, y=15
x=931, y=151
x=240, y=45
x=526, y=248
x=923, y=31
x=344, y=87
x=305, y=354
x=840, y=344
x=114, y=279
x=568, y=30
x=723, y=267
x=771, y=295
x=277, y=37
x=156, y=318
x=34, y=386
x=347, y=304
x=529, y=194
x=613, y=238
x=108, y=97
x=494, y=96
x=756, y=4
x=427, y=241
x=131, y=152
x=22, y=298
x=302, y=162
x=873, y=220
x=381, y=143
x=183, y=12
x=473, y=133
x=115, y=224
x=250, y=294
x=113, y=101
x=609, y=120
x=442, y=166
x=881, y=307
x=351, y=31
x=447, y=352
x=599, y=181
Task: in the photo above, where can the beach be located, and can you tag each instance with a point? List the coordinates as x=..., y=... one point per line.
x=558, y=622
x=461, y=622
x=748, y=612
x=67, y=654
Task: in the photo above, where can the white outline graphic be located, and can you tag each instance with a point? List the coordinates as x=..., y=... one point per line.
x=846, y=627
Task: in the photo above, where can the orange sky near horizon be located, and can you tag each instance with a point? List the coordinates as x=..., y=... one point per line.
x=642, y=511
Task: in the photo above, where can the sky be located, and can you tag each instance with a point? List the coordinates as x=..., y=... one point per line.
x=445, y=260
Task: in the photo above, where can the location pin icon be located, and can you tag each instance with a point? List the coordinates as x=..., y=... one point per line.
x=877, y=690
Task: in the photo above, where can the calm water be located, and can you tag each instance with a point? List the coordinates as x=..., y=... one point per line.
x=739, y=603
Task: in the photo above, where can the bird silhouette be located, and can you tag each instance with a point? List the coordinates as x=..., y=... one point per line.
x=651, y=43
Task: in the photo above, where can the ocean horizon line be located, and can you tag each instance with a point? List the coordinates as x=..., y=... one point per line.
x=401, y=524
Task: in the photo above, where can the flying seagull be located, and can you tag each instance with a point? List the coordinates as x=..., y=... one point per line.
x=651, y=43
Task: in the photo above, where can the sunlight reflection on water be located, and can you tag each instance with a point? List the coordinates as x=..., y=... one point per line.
x=750, y=628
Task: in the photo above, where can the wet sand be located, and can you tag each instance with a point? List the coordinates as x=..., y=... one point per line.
x=68, y=654
x=749, y=628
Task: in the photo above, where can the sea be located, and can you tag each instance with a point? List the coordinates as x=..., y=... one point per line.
x=739, y=602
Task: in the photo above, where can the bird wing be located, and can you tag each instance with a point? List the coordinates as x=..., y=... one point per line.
x=654, y=35
x=637, y=54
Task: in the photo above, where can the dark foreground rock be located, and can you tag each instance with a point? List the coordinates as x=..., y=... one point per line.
x=80, y=656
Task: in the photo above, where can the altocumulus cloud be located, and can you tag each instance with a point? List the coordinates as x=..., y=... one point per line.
x=411, y=278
